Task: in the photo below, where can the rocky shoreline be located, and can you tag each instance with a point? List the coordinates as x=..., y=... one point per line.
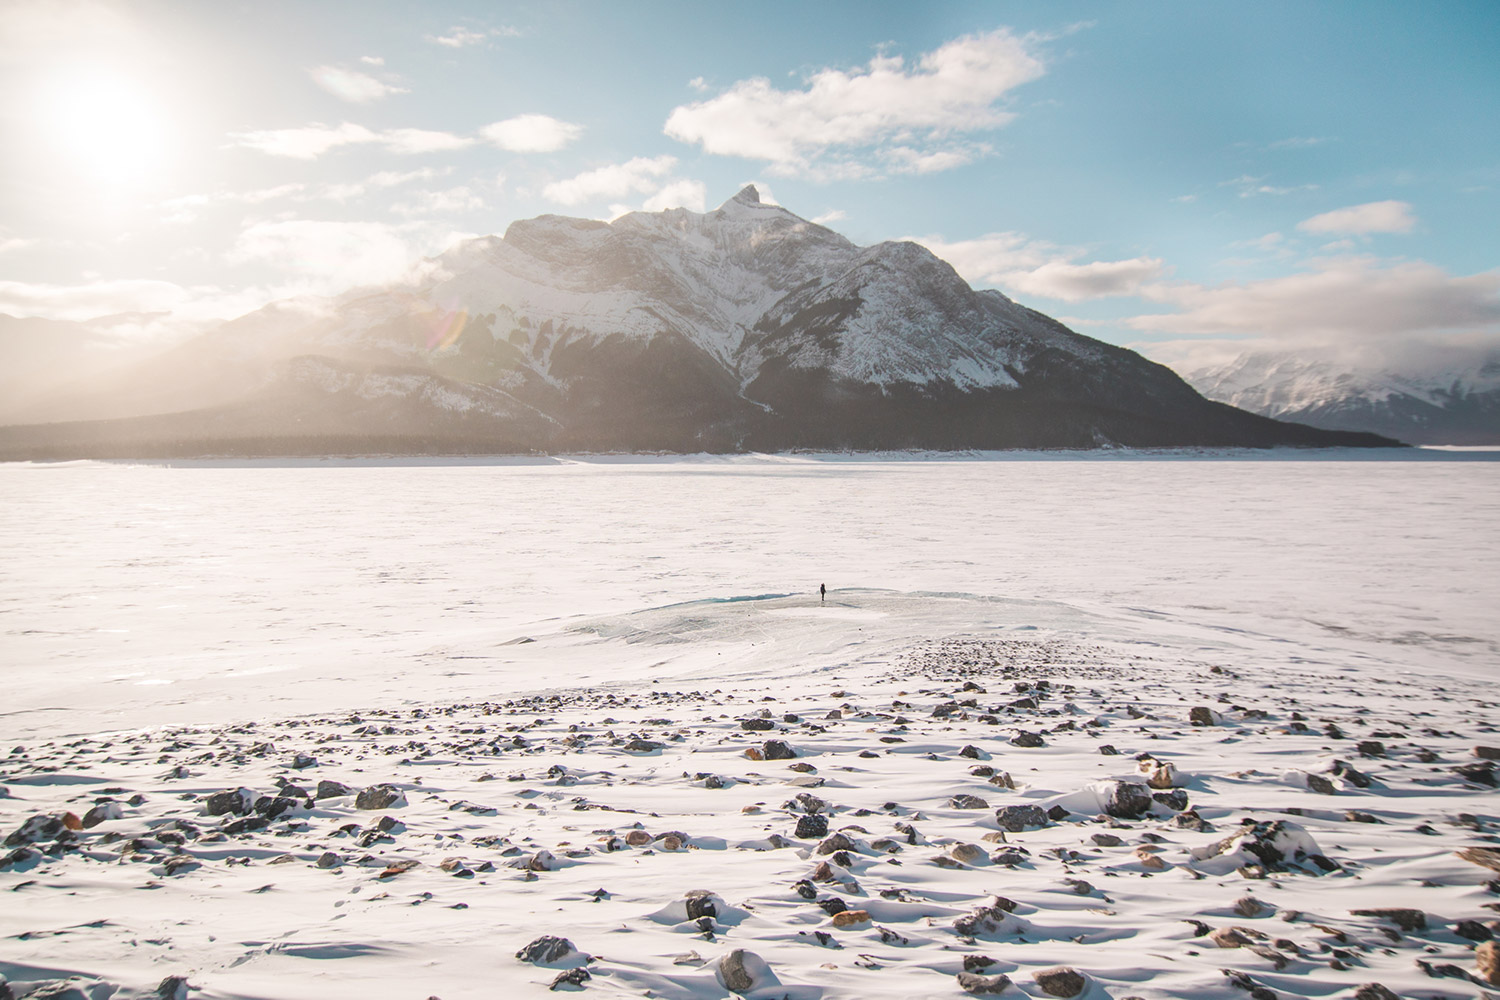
x=1033, y=817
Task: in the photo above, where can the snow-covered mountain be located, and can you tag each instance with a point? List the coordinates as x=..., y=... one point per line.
x=1433, y=403
x=745, y=327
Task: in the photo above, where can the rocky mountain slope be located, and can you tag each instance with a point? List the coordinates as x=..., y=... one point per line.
x=1456, y=404
x=744, y=328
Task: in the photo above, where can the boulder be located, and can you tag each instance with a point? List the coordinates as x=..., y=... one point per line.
x=972, y=982
x=1061, y=981
x=1014, y=819
x=777, y=750
x=1126, y=799
x=547, y=950
x=380, y=797
x=236, y=801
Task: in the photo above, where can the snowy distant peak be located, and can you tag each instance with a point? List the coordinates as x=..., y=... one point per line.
x=748, y=196
x=1435, y=399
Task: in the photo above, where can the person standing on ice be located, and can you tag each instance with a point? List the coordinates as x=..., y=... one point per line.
x=822, y=592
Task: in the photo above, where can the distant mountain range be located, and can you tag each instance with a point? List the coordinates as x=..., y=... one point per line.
x=743, y=328
x=1420, y=403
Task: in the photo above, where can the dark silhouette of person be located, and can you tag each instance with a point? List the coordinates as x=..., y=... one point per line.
x=822, y=592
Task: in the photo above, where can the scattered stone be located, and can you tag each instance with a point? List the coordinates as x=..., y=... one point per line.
x=236, y=801
x=811, y=826
x=332, y=789
x=644, y=746
x=739, y=971
x=1201, y=715
x=101, y=813
x=172, y=988
x=1403, y=917
x=1014, y=819
x=570, y=977
x=967, y=853
x=1249, y=906
x=1060, y=981
x=381, y=796
x=1320, y=784
x=701, y=903
x=851, y=918
x=1229, y=937
x=968, y=802
x=1025, y=739
x=546, y=950
x=1126, y=799
x=978, y=985
x=1374, y=991
x=1487, y=753
x=757, y=725
x=1487, y=962
x=777, y=750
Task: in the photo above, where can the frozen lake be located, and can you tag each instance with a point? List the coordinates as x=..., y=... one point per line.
x=142, y=594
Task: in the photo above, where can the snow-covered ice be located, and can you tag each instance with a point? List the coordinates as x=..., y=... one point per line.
x=168, y=632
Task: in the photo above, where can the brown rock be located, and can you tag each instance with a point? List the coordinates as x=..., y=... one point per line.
x=972, y=982
x=1228, y=937
x=1249, y=906
x=1163, y=777
x=1487, y=958
x=1201, y=715
x=637, y=838
x=1061, y=981
x=1374, y=991
x=1487, y=753
x=1403, y=917
x=851, y=918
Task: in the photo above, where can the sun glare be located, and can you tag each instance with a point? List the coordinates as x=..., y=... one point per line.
x=108, y=128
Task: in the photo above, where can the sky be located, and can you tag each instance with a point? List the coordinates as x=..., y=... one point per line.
x=1188, y=179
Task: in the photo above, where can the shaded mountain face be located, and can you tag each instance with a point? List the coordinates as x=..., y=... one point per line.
x=1451, y=403
x=744, y=328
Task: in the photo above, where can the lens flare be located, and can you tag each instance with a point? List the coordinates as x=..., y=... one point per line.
x=446, y=329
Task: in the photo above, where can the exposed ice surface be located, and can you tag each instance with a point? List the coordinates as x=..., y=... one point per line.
x=203, y=592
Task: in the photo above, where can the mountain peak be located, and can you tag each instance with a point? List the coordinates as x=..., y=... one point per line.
x=748, y=196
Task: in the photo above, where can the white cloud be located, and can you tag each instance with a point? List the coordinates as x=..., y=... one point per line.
x=887, y=104
x=699, y=84
x=832, y=215
x=531, y=134
x=1339, y=299
x=678, y=194
x=459, y=37
x=311, y=141
x=1034, y=267
x=186, y=208
x=638, y=176
x=1095, y=280
x=326, y=257
x=1250, y=186
x=352, y=86
x=10, y=243
x=417, y=140
x=88, y=301
x=306, y=143
x=453, y=201
x=1371, y=217
x=372, y=60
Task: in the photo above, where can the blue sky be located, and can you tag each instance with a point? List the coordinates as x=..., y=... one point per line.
x=1186, y=178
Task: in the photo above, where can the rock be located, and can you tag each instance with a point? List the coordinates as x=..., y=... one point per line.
x=1403, y=917
x=1108, y=750
x=1175, y=800
x=757, y=725
x=837, y=842
x=1126, y=799
x=238, y=801
x=1060, y=981
x=100, y=813
x=275, y=806
x=332, y=789
x=972, y=752
x=1162, y=777
x=971, y=982
x=701, y=903
x=1487, y=753
x=851, y=918
x=832, y=905
x=1201, y=715
x=380, y=797
x=1320, y=784
x=1106, y=840
x=1273, y=845
x=968, y=802
x=328, y=859
x=637, y=838
x=740, y=971
x=1370, y=748
x=1229, y=937
x=1485, y=857
x=1481, y=773
x=808, y=803
x=1025, y=739
x=1249, y=906
x=546, y=950
x=172, y=988
x=643, y=746
x=1359, y=816
x=1487, y=962
x=777, y=750
x=1473, y=930
x=1374, y=991
x=570, y=977
x=37, y=828
x=1014, y=819
x=967, y=853
x=302, y=761
x=811, y=827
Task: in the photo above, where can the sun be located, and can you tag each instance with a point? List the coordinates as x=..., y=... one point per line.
x=106, y=127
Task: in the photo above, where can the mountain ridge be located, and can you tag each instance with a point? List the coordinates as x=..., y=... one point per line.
x=743, y=328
